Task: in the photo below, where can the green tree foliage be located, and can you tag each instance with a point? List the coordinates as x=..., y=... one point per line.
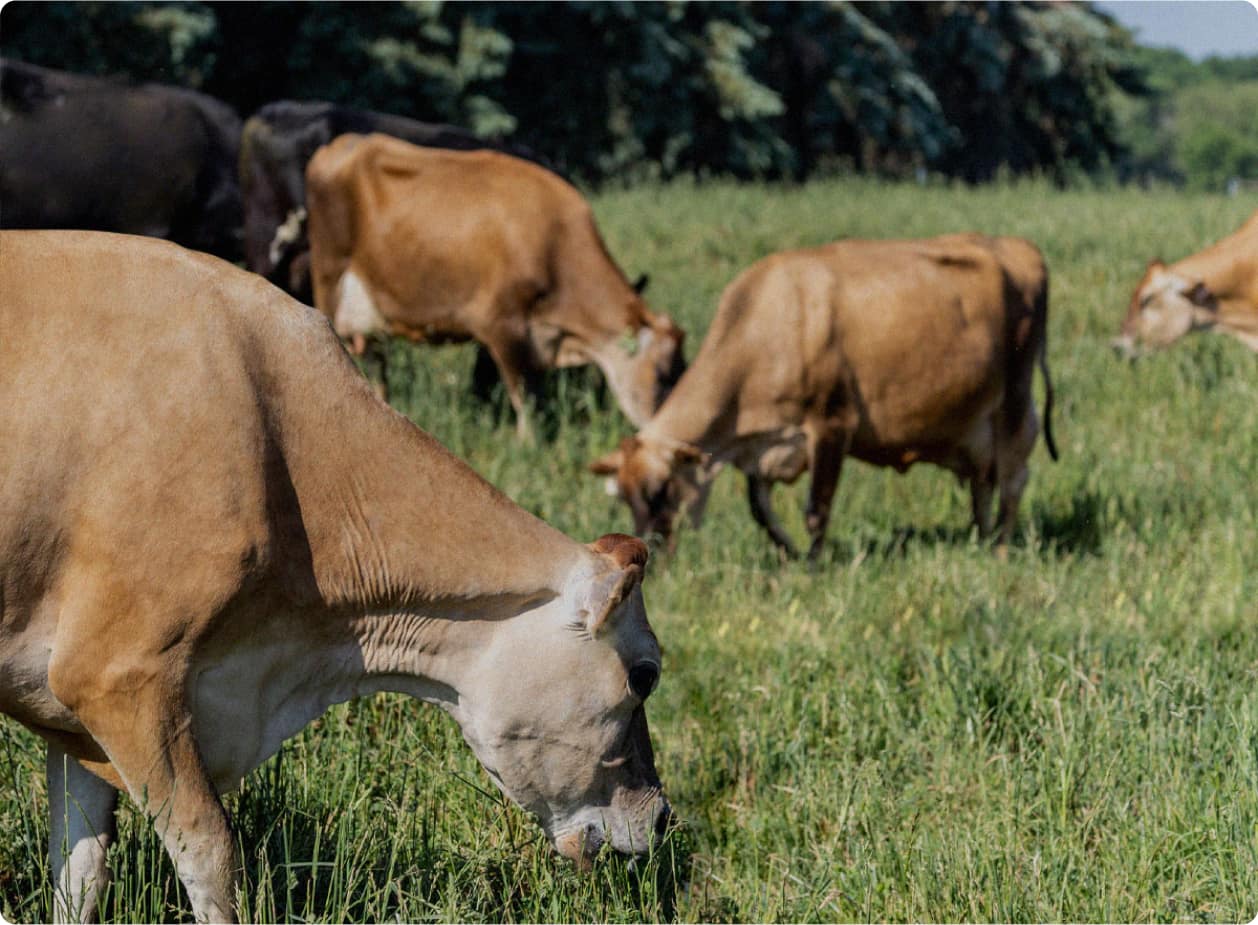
x=1028, y=85
x=1216, y=135
x=1198, y=125
x=625, y=90
x=170, y=42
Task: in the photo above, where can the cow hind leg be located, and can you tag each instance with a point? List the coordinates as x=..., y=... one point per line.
x=982, y=487
x=484, y=374
x=81, y=829
x=827, y=452
x=759, y=495
x=510, y=354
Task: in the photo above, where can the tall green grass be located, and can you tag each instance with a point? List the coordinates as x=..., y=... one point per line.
x=912, y=729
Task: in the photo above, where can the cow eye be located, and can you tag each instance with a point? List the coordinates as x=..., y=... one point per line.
x=643, y=678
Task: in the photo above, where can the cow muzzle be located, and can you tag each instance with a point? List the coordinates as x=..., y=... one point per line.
x=1125, y=346
x=582, y=844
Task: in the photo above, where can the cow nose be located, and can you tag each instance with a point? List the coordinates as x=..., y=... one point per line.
x=1125, y=346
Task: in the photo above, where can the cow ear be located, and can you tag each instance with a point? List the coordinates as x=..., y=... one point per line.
x=686, y=455
x=1200, y=295
x=624, y=550
x=608, y=463
x=640, y=284
x=629, y=555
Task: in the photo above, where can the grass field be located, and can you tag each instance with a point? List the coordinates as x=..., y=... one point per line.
x=911, y=730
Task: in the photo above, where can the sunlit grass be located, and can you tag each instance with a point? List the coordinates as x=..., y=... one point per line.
x=911, y=730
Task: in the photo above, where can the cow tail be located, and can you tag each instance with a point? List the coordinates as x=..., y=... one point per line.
x=1042, y=358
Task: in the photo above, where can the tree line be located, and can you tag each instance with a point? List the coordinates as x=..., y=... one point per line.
x=969, y=90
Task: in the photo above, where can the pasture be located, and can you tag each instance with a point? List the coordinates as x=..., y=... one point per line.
x=913, y=729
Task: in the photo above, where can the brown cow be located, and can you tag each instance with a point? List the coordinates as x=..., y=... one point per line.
x=442, y=245
x=1216, y=289
x=211, y=529
x=276, y=144
x=894, y=352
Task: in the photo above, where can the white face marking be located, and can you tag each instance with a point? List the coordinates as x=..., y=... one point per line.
x=286, y=234
x=1166, y=313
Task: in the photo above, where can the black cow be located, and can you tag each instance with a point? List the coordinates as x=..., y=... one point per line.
x=98, y=154
x=279, y=140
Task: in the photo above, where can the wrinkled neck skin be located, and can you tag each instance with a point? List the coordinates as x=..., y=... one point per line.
x=445, y=655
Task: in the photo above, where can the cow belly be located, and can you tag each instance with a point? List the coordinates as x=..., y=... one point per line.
x=356, y=311
x=969, y=448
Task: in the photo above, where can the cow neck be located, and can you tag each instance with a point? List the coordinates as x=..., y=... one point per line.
x=1239, y=318
x=700, y=411
x=596, y=304
x=593, y=300
x=400, y=529
x=1224, y=266
x=1232, y=279
x=633, y=390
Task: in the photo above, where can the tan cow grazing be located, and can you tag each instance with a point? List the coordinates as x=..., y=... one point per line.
x=894, y=352
x=439, y=245
x=1216, y=289
x=211, y=529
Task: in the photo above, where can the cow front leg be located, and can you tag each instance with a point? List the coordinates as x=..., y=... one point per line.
x=140, y=718
x=759, y=496
x=81, y=829
x=484, y=374
x=826, y=461
x=511, y=357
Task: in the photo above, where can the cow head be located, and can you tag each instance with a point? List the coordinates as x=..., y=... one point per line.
x=657, y=479
x=1164, y=307
x=557, y=713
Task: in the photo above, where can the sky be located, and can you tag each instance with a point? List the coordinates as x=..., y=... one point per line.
x=1198, y=28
